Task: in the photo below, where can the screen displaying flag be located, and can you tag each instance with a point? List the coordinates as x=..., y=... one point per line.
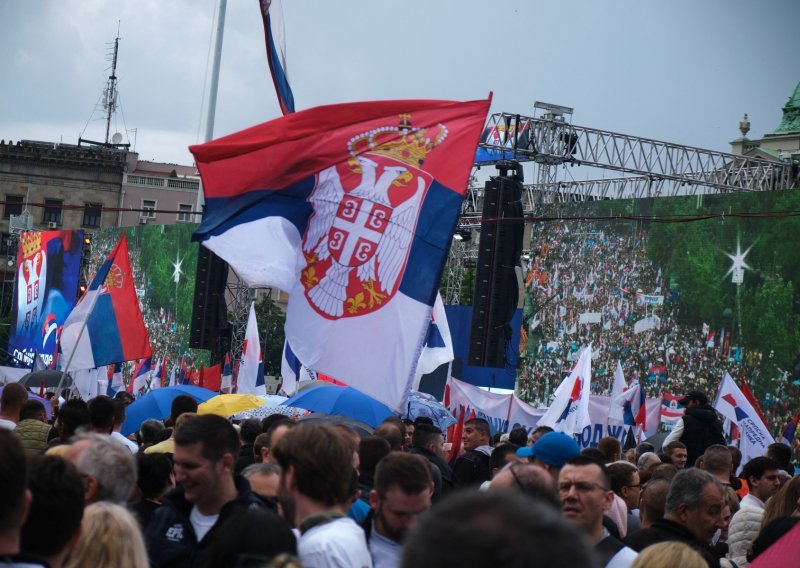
x=671, y=411
x=569, y=411
x=353, y=208
x=754, y=436
x=106, y=326
x=275, y=39
x=250, y=379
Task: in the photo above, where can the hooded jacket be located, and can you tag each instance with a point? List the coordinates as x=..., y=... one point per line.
x=701, y=429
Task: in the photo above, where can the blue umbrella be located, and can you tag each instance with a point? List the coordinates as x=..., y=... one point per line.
x=341, y=401
x=157, y=404
x=424, y=404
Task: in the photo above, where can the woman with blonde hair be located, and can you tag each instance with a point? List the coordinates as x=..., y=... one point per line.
x=785, y=503
x=110, y=537
x=671, y=554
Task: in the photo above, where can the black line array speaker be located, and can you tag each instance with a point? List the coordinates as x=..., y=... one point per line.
x=496, y=284
x=209, y=310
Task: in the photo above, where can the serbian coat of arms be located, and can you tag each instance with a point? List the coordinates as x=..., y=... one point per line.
x=365, y=212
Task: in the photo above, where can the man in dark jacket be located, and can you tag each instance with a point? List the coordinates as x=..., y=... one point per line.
x=692, y=514
x=472, y=467
x=698, y=429
x=182, y=529
x=428, y=442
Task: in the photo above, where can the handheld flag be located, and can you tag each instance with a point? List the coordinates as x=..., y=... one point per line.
x=106, y=326
x=355, y=205
x=274, y=36
x=569, y=411
x=754, y=434
x=114, y=376
x=251, y=370
x=293, y=372
x=615, y=415
x=226, y=381
x=138, y=383
x=671, y=410
x=632, y=403
x=787, y=437
x=438, y=347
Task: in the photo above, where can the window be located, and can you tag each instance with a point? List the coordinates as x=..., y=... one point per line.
x=148, y=209
x=92, y=212
x=7, y=245
x=52, y=211
x=13, y=205
x=184, y=213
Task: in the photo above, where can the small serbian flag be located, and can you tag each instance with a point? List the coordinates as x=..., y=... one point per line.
x=106, y=326
x=140, y=375
x=272, y=15
x=788, y=433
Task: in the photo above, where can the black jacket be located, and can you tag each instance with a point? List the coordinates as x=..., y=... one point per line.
x=701, y=429
x=472, y=468
x=446, y=482
x=664, y=530
x=170, y=538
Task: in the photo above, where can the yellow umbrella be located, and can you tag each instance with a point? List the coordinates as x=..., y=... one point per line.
x=226, y=405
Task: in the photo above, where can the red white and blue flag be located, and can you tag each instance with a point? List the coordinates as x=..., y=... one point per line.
x=250, y=379
x=632, y=402
x=754, y=436
x=141, y=374
x=115, y=381
x=351, y=209
x=615, y=414
x=274, y=37
x=226, y=383
x=569, y=411
x=114, y=329
x=671, y=410
x=787, y=437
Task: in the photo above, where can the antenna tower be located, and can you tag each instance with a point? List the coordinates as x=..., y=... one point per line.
x=110, y=94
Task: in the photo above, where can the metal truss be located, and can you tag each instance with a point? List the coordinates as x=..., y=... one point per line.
x=239, y=296
x=552, y=141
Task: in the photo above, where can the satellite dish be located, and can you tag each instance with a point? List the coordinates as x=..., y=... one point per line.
x=117, y=138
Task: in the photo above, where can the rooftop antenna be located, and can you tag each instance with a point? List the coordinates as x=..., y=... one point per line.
x=110, y=94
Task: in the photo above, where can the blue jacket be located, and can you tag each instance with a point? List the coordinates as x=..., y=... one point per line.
x=170, y=538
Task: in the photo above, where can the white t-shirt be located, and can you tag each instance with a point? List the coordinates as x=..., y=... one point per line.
x=7, y=424
x=117, y=437
x=337, y=544
x=201, y=523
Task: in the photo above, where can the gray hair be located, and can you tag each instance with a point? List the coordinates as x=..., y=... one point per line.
x=687, y=488
x=111, y=464
x=263, y=468
x=642, y=462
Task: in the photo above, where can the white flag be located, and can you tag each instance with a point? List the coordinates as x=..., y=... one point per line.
x=251, y=369
x=569, y=411
x=754, y=434
x=615, y=415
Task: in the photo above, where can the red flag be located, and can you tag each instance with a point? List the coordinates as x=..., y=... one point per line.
x=212, y=377
x=751, y=398
x=200, y=377
x=41, y=387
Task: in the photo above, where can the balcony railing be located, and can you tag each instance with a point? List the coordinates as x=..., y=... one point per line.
x=164, y=183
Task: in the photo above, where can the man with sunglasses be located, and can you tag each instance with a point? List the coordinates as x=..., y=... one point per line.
x=584, y=489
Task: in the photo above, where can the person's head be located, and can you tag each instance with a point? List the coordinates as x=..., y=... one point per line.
x=54, y=522
x=101, y=414
x=107, y=467
x=664, y=471
x=428, y=438
x=251, y=537
x=476, y=433
x=584, y=489
x=670, y=554
x=551, y=451
x=276, y=431
x=33, y=410
x=149, y=431
x=647, y=460
x=249, y=429
x=528, y=478
x=695, y=500
x=782, y=455
x=736, y=455
x=316, y=465
x=392, y=433
x=265, y=480
x=408, y=433
x=643, y=448
x=677, y=453
x=206, y=449
x=611, y=448
x=15, y=498
x=180, y=404
x=11, y=400
x=537, y=433
x=693, y=399
x=494, y=528
x=502, y=454
x=653, y=501
x=518, y=436
x=110, y=537
x=371, y=450
x=717, y=461
x=124, y=396
x=73, y=416
x=762, y=477
x=625, y=482
x=269, y=421
x=154, y=475
x=594, y=453
x=403, y=491
x=785, y=503
x=119, y=413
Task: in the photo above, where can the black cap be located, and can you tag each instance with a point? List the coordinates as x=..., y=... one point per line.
x=694, y=395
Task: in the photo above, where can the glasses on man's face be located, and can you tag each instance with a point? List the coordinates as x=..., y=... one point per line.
x=580, y=486
x=639, y=486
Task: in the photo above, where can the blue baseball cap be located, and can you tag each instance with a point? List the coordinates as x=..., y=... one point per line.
x=554, y=449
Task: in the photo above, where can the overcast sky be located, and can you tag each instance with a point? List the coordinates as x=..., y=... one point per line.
x=681, y=71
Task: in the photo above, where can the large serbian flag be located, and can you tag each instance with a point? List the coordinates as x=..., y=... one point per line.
x=351, y=209
x=106, y=326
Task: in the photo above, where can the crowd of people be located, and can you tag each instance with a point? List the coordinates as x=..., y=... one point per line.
x=199, y=490
x=596, y=284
